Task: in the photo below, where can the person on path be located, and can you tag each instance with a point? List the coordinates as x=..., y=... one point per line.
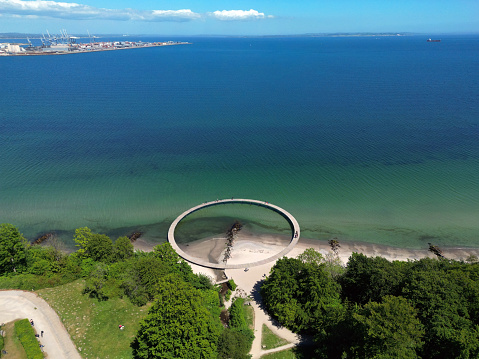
x=41, y=333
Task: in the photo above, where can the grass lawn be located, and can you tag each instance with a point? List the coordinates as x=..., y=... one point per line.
x=284, y=354
x=299, y=352
x=270, y=340
x=249, y=314
x=12, y=344
x=93, y=325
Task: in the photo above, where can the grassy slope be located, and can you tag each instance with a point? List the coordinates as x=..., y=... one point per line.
x=284, y=354
x=249, y=316
x=12, y=344
x=93, y=325
x=271, y=340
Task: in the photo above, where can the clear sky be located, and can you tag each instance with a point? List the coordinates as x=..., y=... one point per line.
x=240, y=17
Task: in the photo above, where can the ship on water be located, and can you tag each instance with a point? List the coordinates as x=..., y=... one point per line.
x=432, y=40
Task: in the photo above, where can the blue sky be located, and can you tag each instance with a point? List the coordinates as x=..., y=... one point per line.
x=242, y=17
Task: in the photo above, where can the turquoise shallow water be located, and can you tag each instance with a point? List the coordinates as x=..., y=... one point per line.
x=359, y=138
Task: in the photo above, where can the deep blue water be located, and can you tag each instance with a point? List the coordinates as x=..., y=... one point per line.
x=372, y=139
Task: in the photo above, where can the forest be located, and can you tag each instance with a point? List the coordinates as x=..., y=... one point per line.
x=374, y=308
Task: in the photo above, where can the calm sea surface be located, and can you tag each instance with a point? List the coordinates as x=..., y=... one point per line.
x=370, y=139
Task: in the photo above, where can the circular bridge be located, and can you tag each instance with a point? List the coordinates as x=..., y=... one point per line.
x=291, y=220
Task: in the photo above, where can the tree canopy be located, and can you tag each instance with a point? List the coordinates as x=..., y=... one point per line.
x=178, y=325
x=13, y=250
x=300, y=292
x=427, y=308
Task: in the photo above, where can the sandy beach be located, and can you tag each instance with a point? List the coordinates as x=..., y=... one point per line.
x=250, y=248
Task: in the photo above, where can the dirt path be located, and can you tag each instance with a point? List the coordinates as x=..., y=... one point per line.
x=250, y=281
x=15, y=304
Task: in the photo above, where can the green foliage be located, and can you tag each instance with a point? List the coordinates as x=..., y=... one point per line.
x=228, y=295
x=87, y=266
x=211, y=301
x=300, y=293
x=311, y=256
x=201, y=281
x=437, y=318
x=141, y=278
x=26, y=335
x=45, y=260
x=232, y=285
x=13, y=250
x=95, y=284
x=237, y=314
x=233, y=344
x=178, y=325
x=389, y=329
x=122, y=249
x=26, y=281
x=98, y=247
x=236, y=341
x=166, y=254
x=447, y=301
x=370, y=279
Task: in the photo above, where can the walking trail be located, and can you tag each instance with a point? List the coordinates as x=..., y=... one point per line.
x=16, y=304
x=248, y=281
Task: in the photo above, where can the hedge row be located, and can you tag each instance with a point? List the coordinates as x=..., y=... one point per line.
x=26, y=335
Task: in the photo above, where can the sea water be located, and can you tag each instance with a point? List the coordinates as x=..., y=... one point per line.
x=368, y=138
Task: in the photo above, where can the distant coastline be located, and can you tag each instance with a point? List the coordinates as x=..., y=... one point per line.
x=17, y=35
x=13, y=49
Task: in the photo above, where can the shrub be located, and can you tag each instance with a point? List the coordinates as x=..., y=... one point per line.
x=26, y=335
x=237, y=314
x=231, y=284
x=228, y=295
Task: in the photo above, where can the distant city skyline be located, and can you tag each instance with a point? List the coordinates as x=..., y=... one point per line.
x=242, y=17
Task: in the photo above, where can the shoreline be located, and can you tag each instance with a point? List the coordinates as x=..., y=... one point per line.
x=256, y=245
x=254, y=248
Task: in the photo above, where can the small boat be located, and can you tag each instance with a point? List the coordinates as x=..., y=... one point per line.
x=431, y=40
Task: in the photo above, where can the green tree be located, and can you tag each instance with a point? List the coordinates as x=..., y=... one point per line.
x=178, y=325
x=13, y=250
x=98, y=247
x=167, y=254
x=122, y=249
x=389, y=329
x=371, y=278
x=233, y=344
x=95, y=285
x=445, y=301
x=141, y=278
x=45, y=261
x=237, y=314
x=311, y=256
x=299, y=293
